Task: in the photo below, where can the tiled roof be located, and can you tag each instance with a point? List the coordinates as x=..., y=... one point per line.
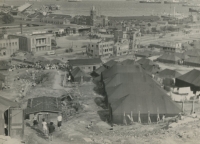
x=79, y=62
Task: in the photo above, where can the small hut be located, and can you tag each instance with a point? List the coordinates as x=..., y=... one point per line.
x=11, y=120
x=44, y=106
x=79, y=76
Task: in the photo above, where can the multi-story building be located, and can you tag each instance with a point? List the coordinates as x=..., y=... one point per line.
x=134, y=37
x=8, y=46
x=82, y=20
x=171, y=47
x=100, y=48
x=34, y=42
x=120, y=35
x=121, y=48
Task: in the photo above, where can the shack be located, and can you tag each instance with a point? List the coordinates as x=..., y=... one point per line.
x=11, y=120
x=87, y=65
x=44, y=106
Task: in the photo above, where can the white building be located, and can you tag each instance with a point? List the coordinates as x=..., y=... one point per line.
x=101, y=48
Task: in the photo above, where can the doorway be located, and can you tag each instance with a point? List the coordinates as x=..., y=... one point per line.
x=6, y=123
x=94, y=68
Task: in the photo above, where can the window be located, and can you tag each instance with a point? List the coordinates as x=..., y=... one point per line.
x=6, y=44
x=88, y=67
x=9, y=43
x=0, y=45
x=15, y=43
x=83, y=67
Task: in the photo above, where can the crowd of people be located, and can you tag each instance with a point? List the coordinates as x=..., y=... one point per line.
x=48, y=128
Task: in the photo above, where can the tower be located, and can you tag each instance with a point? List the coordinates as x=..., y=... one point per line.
x=132, y=42
x=93, y=15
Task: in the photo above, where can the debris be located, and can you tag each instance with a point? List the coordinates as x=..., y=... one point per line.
x=88, y=140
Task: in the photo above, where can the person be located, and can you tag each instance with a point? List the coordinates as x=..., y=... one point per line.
x=59, y=120
x=163, y=118
x=6, y=129
x=35, y=120
x=44, y=126
x=51, y=130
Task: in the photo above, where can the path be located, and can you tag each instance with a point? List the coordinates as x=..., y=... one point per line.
x=57, y=81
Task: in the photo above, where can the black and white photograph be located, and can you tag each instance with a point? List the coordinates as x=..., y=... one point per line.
x=99, y=71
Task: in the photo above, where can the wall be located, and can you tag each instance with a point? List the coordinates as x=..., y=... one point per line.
x=23, y=45
x=10, y=45
x=88, y=68
x=100, y=49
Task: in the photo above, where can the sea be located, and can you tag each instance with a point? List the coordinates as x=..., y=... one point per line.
x=108, y=8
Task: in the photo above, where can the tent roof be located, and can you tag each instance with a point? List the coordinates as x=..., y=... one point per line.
x=194, y=60
x=148, y=65
x=143, y=54
x=193, y=53
x=47, y=104
x=100, y=70
x=110, y=63
x=6, y=103
x=78, y=62
x=196, y=44
x=56, y=61
x=182, y=55
x=77, y=72
x=121, y=69
x=186, y=46
x=142, y=94
x=144, y=61
x=121, y=78
x=151, y=69
x=128, y=62
x=169, y=57
x=168, y=73
x=192, y=78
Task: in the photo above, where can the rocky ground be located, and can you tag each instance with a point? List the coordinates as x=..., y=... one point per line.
x=75, y=128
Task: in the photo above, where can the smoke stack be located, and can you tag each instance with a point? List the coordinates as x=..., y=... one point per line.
x=21, y=28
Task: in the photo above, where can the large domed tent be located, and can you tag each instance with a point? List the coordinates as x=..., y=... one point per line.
x=132, y=90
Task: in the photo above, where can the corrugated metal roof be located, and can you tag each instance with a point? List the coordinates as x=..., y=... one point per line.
x=24, y=7
x=79, y=62
x=190, y=79
x=168, y=73
x=43, y=104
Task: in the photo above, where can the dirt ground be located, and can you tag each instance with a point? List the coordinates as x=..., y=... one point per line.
x=75, y=128
x=75, y=131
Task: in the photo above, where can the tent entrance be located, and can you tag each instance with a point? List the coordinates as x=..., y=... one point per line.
x=94, y=68
x=6, y=123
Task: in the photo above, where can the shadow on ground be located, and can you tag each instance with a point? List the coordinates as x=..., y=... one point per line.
x=38, y=131
x=100, y=101
x=104, y=115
